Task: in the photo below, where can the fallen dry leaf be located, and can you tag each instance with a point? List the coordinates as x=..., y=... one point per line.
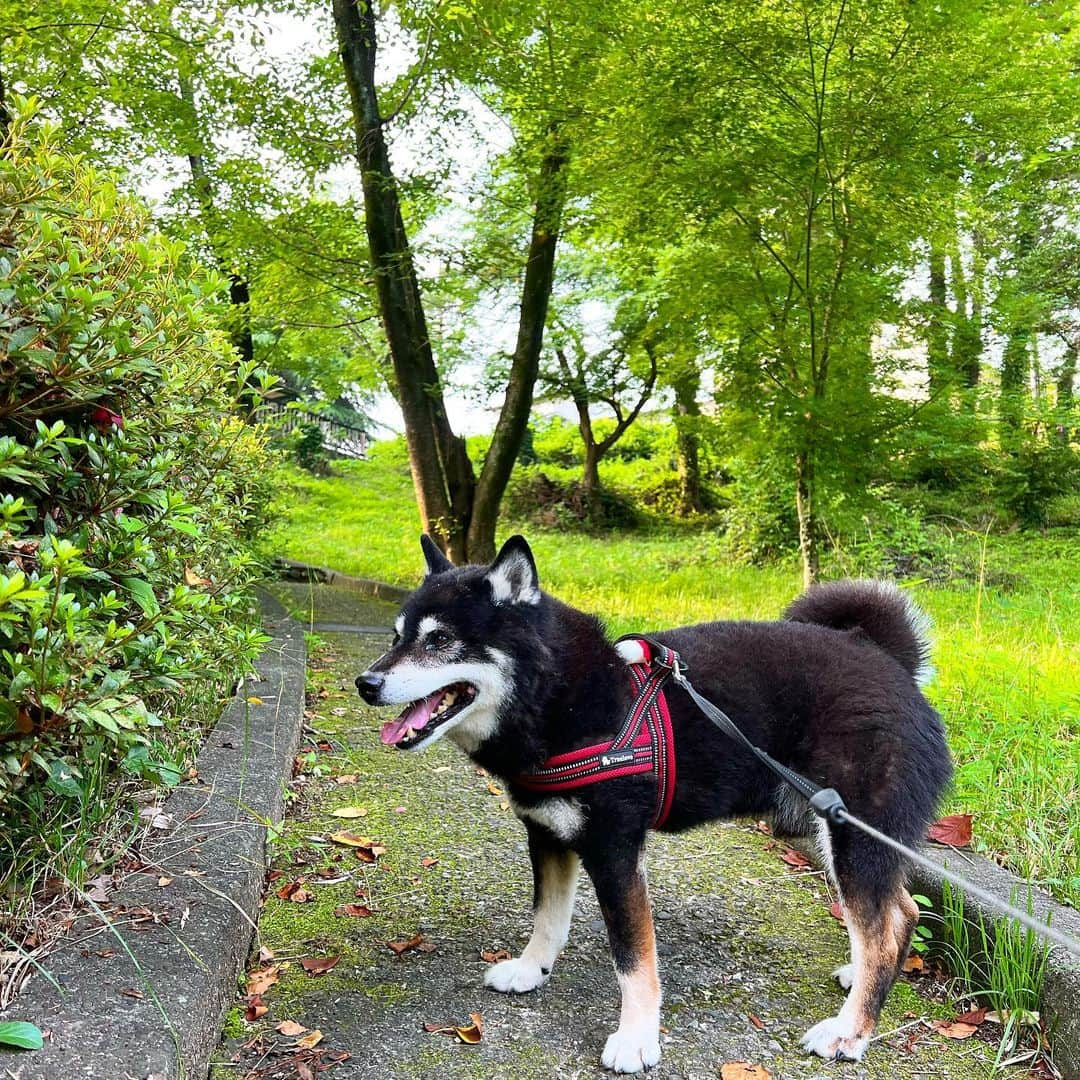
x=295, y=892
x=97, y=889
x=494, y=789
x=346, y=778
x=290, y=1028
x=131, y=992
x=951, y=1029
x=473, y=1032
x=163, y=881
x=255, y=1008
x=254, y=700
x=259, y=981
x=356, y=911
x=836, y=910
x=399, y=947
x=743, y=1070
x=366, y=850
x=954, y=830
x=429, y=862
x=312, y=1038
x=493, y=957
x=794, y=858
x=349, y=811
x=319, y=965
x=192, y=579
x=439, y=1029
x=975, y=1016
x=756, y=1021
x=914, y=963
x=266, y=954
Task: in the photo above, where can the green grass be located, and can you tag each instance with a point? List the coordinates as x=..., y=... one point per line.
x=1005, y=652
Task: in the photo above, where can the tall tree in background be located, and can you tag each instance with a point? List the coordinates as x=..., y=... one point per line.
x=525, y=66
x=785, y=163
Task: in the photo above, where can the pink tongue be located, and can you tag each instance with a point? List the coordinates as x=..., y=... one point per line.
x=414, y=717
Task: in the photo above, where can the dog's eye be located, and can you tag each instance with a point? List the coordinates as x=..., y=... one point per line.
x=437, y=639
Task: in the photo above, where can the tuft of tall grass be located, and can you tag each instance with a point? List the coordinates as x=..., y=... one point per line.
x=1003, y=965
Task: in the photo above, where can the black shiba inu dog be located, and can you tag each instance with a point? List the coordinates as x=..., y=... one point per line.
x=514, y=676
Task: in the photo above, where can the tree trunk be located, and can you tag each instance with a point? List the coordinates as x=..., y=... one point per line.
x=1016, y=358
x=687, y=411
x=5, y=112
x=442, y=473
x=1066, y=380
x=590, y=473
x=590, y=476
x=967, y=331
x=535, y=295
x=937, y=334
x=239, y=290
x=804, y=507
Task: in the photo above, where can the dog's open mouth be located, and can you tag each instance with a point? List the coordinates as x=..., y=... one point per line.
x=421, y=718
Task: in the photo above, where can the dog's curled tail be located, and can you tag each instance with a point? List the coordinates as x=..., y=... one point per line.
x=884, y=613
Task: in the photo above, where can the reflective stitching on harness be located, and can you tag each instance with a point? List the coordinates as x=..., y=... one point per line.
x=644, y=743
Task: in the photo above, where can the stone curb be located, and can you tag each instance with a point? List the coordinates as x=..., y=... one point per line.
x=1060, y=1005
x=160, y=1018
x=292, y=570
x=1061, y=991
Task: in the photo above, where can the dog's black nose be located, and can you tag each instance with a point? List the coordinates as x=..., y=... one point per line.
x=369, y=684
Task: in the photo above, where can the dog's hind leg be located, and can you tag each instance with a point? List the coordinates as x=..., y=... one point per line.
x=624, y=901
x=555, y=881
x=880, y=917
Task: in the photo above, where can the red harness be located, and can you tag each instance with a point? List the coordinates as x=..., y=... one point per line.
x=645, y=742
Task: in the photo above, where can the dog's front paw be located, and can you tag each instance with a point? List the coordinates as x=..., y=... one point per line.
x=835, y=1040
x=515, y=976
x=629, y=1050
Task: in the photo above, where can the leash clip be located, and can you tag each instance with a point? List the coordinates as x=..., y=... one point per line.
x=827, y=804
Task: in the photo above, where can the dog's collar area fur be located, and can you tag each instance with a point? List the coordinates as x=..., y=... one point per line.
x=645, y=742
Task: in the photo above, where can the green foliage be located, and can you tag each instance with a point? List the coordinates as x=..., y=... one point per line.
x=1032, y=478
x=307, y=448
x=537, y=499
x=1003, y=964
x=130, y=489
x=20, y=1034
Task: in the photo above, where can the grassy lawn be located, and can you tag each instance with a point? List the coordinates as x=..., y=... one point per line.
x=1005, y=653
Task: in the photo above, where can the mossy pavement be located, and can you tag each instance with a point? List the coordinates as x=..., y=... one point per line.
x=746, y=943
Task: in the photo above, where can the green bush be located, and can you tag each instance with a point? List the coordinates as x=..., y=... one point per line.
x=535, y=498
x=129, y=489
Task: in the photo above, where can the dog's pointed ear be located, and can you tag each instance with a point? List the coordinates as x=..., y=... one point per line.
x=513, y=574
x=437, y=562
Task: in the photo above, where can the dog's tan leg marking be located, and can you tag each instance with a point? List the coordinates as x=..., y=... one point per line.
x=557, y=883
x=879, y=943
x=636, y=1043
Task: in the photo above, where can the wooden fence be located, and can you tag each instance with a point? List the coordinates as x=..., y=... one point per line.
x=338, y=438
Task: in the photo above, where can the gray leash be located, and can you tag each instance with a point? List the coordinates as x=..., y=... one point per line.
x=828, y=805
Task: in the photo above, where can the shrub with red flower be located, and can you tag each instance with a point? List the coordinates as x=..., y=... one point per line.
x=124, y=461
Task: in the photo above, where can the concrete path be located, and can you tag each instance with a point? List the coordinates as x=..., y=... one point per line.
x=746, y=942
